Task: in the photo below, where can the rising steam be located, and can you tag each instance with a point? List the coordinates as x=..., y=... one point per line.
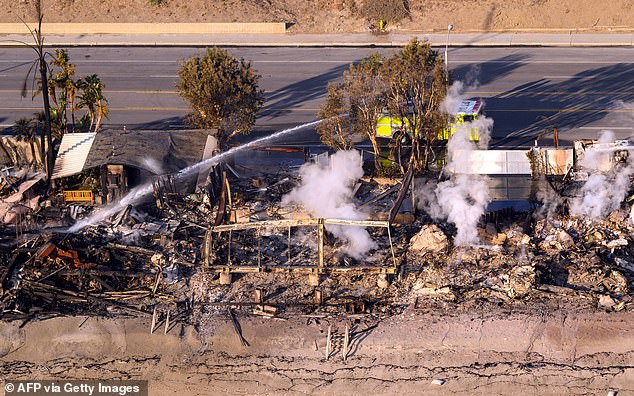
x=602, y=192
x=326, y=190
x=463, y=198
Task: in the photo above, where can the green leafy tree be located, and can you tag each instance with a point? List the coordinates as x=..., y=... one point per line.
x=222, y=92
x=335, y=130
x=417, y=83
x=63, y=88
x=352, y=107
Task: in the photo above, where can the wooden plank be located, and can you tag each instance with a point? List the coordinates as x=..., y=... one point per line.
x=320, y=243
x=303, y=269
x=297, y=223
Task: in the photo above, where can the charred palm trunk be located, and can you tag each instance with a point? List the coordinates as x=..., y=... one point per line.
x=47, y=124
x=33, y=152
x=6, y=153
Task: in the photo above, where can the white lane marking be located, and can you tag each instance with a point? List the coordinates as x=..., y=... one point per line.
x=571, y=77
x=163, y=76
x=613, y=128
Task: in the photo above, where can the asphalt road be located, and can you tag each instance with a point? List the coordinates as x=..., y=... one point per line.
x=526, y=90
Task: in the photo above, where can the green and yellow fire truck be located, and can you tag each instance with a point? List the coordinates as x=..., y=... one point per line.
x=465, y=113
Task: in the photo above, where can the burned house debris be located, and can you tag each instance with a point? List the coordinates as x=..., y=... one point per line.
x=126, y=159
x=324, y=240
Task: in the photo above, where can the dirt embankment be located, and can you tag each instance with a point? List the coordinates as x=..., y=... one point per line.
x=493, y=353
x=331, y=16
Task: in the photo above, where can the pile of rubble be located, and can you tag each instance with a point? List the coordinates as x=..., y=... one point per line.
x=132, y=262
x=157, y=255
x=588, y=263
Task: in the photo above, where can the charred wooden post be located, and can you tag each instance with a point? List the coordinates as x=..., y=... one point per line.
x=346, y=340
x=167, y=322
x=318, y=297
x=259, y=238
x=207, y=249
x=153, y=325
x=320, y=243
x=389, y=236
x=259, y=296
x=289, y=247
x=229, y=249
x=329, y=342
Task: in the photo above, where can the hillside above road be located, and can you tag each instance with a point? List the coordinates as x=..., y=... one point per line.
x=333, y=16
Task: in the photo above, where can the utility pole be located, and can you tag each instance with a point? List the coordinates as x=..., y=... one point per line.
x=449, y=29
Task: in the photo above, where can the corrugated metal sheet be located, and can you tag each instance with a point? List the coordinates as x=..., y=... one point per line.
x=513, y=162
x=495, y=162
x=509, y=187
x=72, y=154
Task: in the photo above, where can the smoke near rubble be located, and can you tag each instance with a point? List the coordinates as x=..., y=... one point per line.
x=550, y=199
x=463, y=198
x=326, y=190
x=455, y=95
x=602, y=192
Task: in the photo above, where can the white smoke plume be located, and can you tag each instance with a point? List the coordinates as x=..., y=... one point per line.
x=455, y=95
x=550, y=199
x=463, y=198
x=602, y=192
x=326, y=190
x=456, y=92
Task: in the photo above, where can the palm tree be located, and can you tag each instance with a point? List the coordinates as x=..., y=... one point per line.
x=64, y=81
x=93, y=99
x=25, y=130
x=41, y=64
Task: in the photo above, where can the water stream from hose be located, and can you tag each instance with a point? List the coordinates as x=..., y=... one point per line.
x=138, y=193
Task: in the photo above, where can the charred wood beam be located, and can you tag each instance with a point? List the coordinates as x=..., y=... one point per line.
x=302, y=269
x=407, y=180
x=133, y=249
x=298, y=223
x=382, y=195
x=83, y=296
x=223, y=200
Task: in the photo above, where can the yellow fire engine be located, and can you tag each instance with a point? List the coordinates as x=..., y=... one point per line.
x=466, y=112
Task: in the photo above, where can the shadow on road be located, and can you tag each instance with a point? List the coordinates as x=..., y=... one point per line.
x=281, y=101
x=476, y=74
x=578, y=100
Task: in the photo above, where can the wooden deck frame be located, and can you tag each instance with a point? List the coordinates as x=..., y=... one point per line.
x=320, y=268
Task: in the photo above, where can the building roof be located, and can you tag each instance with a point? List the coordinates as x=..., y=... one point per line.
x=154, y=151
x=72, y=154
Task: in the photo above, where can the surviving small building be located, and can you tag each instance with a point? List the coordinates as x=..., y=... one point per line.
x=128, y=158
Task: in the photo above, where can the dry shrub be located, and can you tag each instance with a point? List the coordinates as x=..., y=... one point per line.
x=391, y=11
